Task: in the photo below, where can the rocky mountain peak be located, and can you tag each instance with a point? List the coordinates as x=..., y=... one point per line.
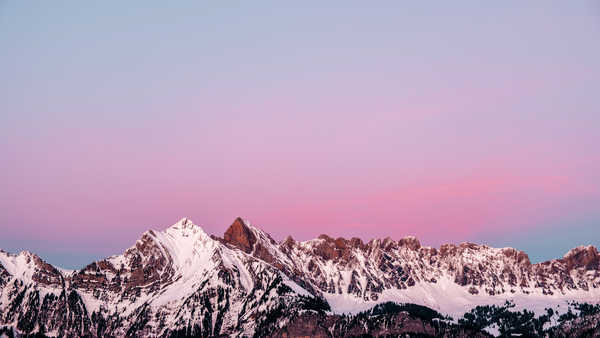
x=583, y=257
x=182, y=231
x=325, y=237
x=288, y=242
x=240, y=235
x=411, y=242
x=183, y=223
x=248, y=238
x=182, y=275
x=519, y=256
x=29, y=266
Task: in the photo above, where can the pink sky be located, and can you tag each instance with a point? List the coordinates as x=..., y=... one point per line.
x=452, y=123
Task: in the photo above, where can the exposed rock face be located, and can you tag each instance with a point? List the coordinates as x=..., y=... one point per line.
x=253, y=241
x=45, y=274
x=586, y=258
x=4, y=276
x=181, y=281
x=178, y=281
x=240, y=236
x=366, y=270
x=146, y=265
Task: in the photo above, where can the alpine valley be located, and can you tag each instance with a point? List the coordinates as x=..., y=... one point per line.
x=182, y=282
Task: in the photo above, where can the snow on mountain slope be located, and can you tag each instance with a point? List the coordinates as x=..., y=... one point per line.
x=20, y=266
x=354, y=276
x=177, y=279
x=184, y=281
x=28, y=267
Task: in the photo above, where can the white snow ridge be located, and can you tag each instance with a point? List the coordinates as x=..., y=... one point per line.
x=182, y=281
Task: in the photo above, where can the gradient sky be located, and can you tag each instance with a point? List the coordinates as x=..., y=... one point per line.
x=453, y=122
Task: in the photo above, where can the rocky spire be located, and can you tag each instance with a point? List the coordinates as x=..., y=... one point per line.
x=240, y=235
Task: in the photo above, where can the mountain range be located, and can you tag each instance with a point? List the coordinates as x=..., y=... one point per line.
x=184, y=282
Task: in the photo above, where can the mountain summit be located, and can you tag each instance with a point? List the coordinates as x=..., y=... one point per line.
x=181, y=281
x=240, y=235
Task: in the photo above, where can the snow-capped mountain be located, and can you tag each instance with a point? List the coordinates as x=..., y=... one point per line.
x=181, y=281
x=353, y=276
